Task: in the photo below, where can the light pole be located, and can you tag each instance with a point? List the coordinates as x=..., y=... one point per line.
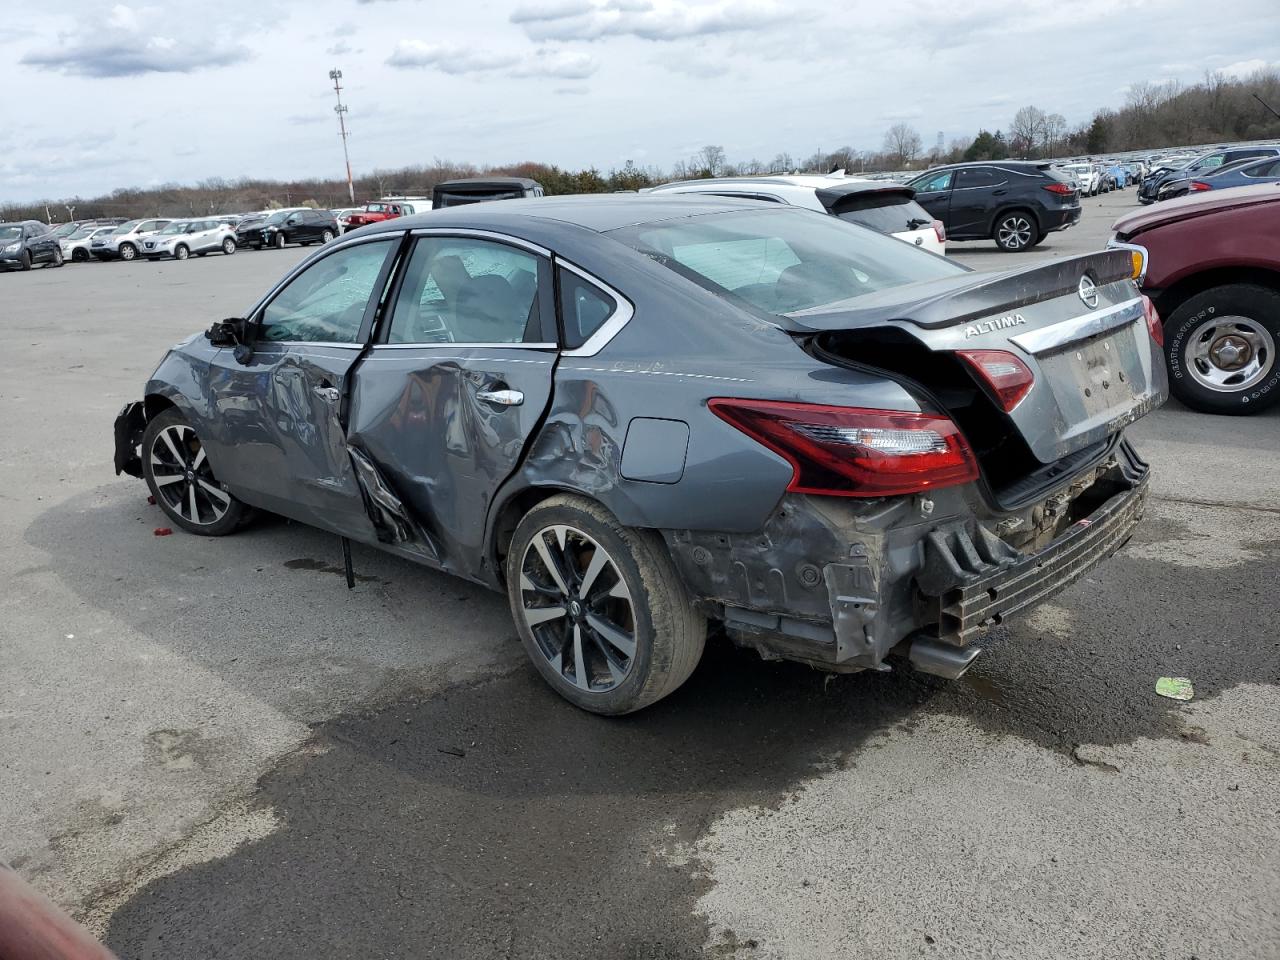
x=335, y=75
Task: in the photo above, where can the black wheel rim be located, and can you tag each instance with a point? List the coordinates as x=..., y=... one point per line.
x=578, y=608
x=183, y=478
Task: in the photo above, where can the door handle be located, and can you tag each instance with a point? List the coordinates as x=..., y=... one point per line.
x=503, y=398
x=327, y=394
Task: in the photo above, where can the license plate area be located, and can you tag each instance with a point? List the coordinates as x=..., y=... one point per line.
x=1102, y=375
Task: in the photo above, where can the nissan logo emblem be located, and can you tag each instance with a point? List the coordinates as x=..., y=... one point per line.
x=1088, y=292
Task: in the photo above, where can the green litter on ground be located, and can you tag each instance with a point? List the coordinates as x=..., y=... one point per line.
x=1175, y=688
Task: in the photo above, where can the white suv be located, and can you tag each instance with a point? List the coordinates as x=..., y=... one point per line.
x=181, y=238
x=884, y=206
x=125, y=241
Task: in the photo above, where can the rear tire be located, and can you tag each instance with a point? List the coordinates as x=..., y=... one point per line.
x=627, y=633
x=182, y=481
x=1016, y=231
x=326, y=236
x=1221, y=346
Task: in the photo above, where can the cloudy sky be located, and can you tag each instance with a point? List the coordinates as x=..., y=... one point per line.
x=102, y=95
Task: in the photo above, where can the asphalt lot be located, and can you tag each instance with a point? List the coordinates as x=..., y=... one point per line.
x=212, y=748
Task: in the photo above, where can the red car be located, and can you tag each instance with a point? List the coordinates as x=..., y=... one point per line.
x=376, y=213
x=1213, y=270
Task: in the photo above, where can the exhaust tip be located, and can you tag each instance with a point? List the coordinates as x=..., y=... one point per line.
x=940, y=659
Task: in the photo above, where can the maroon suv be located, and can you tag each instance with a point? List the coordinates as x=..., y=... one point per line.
x=1213, y=270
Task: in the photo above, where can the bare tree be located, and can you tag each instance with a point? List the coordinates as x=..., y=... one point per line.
x=782, y=163
x=902, y=143
x=1026, y=132
x=711, y=159
x=1055, y=128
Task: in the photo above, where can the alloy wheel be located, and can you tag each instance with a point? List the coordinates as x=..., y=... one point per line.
x=127, y=252
x=184, y=478
x=1014, y=233
x=578, y=608
x=1230, y=354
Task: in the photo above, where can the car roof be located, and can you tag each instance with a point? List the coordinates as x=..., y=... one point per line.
x=599, y=212
x=1196, y=204
x=481, y=183
x=816, y=181
x=1019, y=165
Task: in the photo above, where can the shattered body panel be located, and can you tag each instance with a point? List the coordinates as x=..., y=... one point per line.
x=434, y=450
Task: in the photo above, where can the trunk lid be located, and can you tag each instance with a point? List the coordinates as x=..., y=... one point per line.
x=1079, y=324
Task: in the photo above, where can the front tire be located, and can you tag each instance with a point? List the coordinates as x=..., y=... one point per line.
x=1015, y=231
x=24, y=262
x=181, y=480
x=228, y=246
x=80, y=256
x=57, y=260
x=180, y=252
x=600, y=608
x=279, y=241
x=1221, y=347
x=128, y=251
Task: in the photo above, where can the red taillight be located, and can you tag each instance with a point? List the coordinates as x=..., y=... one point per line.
x=1008, y=377
x=1061, y=189
x=1155, y=326
x=1200, y=185
x=940, y=229
x=855, y=452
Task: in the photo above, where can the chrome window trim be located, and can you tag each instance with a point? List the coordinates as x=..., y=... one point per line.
x=482, y=235
x=1086, y=325
x=467, y=346
x=620, y=317
x=336, y=344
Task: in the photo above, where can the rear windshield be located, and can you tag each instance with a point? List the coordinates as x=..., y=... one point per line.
x=440, y=200
x=885, y=212
x=781, y=260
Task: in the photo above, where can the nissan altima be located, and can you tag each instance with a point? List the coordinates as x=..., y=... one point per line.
x=638, y=415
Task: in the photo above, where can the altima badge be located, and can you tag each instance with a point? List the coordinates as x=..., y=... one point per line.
x=1088, y=292
x=991, y=326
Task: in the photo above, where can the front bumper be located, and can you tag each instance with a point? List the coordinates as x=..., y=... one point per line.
x=840, y=586
x=129, y=427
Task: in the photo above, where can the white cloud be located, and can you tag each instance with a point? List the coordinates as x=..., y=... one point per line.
x=1243, y=69
x=649, y=19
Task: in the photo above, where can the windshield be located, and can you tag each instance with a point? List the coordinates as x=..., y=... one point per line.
x=176, y=227
x=8, y=232
x=84, y=232
x=783, y=260
x=126, y=228
x=278, y=217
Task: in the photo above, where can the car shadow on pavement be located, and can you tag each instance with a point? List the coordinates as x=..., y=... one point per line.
x=489, y=818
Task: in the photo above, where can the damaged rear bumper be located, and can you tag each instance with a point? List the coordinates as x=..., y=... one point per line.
x=841, y=585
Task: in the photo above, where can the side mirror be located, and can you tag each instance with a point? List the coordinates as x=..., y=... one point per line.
x=232, y=332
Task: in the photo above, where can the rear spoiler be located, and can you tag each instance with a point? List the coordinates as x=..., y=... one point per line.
x=968, y=296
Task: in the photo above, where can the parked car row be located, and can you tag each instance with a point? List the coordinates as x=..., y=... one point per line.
x=1175, y=177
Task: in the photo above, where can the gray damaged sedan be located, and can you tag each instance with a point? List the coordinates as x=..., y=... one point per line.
x=637, y=415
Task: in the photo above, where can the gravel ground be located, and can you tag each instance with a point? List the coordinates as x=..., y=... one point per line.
x=211, y=748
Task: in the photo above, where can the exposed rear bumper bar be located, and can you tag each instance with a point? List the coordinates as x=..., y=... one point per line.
x=987, y=593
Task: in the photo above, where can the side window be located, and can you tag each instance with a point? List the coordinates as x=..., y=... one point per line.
x=326, y=303
x=1265, y=170
x=941, y=181
x=584, y=308
x=977, y=177
x=459, y=290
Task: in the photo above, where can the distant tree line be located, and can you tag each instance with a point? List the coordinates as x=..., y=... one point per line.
x=1155, y=115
